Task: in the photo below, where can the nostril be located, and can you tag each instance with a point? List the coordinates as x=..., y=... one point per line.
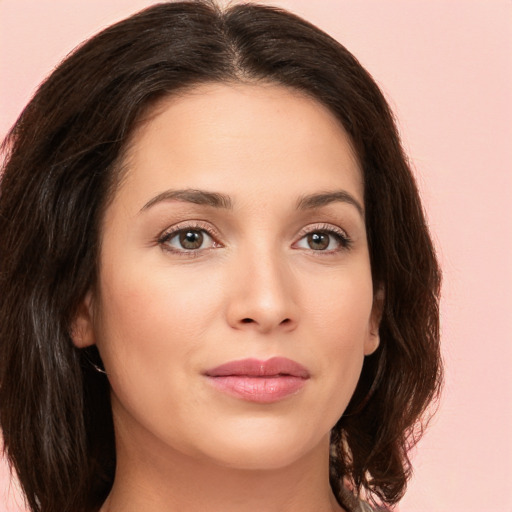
x=247, y=320
x=286, y=321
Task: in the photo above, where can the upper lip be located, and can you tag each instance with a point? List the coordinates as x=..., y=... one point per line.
x=273, y=367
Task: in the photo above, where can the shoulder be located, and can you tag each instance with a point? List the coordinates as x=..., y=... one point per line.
x=365, y=507
x=351, y=503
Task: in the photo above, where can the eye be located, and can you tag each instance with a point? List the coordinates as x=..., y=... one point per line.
x=187, y=239
x=327, y=240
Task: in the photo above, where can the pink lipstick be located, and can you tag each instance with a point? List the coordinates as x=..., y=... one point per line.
x=259, y=381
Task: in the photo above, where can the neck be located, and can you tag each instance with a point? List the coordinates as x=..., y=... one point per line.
x=168, y=481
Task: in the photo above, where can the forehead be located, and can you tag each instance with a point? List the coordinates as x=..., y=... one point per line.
x=219, y=136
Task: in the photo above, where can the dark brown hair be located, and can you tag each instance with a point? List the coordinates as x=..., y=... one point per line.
x=62, y=166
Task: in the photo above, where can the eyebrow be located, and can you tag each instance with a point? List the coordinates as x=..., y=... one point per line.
x=218, y=200
x=190, y=195
x=318, y=200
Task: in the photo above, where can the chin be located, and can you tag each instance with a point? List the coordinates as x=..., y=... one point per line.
x=257, y=460
x=263, y=449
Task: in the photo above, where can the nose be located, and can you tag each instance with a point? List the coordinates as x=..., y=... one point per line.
x=262, y=295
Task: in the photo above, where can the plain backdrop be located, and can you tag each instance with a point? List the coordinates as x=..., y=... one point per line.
x=445, y=66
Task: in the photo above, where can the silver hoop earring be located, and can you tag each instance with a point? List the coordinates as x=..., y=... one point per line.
x=98, y=369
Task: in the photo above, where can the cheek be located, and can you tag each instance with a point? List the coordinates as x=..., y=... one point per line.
x=339, y=314
x=150, y=323
x=149, y=333
x=340, y=305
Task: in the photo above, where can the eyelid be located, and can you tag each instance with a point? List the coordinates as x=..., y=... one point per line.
x=195, y=225
x=322, y=226
x=346, y=241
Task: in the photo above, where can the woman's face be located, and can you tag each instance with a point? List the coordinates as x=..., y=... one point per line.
x=235, y=303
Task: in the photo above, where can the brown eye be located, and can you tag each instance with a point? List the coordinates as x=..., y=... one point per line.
x=187, y=240
x=318, y=241
x=328, y=240
x=191, y=239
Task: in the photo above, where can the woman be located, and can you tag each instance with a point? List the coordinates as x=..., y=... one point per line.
x=218, y=288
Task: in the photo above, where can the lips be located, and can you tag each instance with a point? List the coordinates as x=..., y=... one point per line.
x=259, y=381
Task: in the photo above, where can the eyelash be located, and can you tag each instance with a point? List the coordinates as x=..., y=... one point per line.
x=341, y=237
x=344, y=241
x=197, y=226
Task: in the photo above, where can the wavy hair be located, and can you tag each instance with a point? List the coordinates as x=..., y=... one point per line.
x=61, y=167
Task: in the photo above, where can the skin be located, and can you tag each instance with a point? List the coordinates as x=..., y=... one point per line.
x=163, y=314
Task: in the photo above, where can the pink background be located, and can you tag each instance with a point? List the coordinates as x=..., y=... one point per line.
x=446, y=69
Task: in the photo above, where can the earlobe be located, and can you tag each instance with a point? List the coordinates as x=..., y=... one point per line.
x=373, y=340
x=82, y=331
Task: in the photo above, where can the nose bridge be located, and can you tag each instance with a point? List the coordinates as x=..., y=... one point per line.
x=264, y=298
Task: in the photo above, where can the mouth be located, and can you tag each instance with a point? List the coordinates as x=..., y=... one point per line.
x=259, y=381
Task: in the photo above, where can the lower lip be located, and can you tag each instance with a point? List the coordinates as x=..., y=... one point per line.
x=263, y=390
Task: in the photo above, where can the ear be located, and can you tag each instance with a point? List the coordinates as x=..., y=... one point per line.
x=373, y=339
x=82, y=330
